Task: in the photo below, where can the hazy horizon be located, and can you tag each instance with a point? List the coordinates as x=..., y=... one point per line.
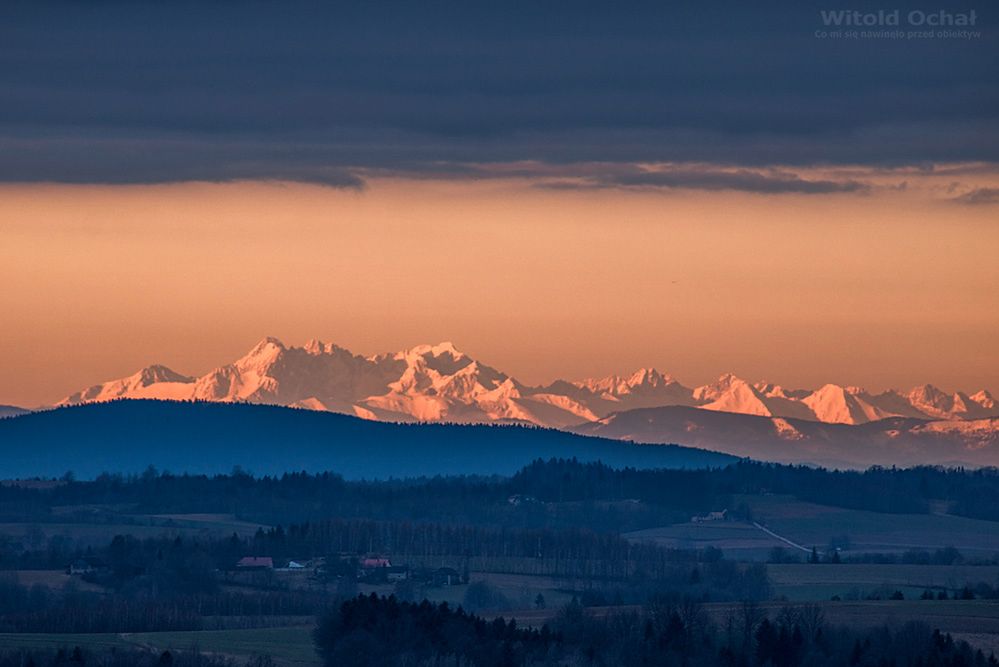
x=562, y=191
x=893, y=287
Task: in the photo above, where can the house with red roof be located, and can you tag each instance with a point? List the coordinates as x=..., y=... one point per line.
x=255, y=563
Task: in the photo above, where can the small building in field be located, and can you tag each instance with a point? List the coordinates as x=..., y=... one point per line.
x=710, y=516
x=397, y=573
x=255, y=563
x=445, y=576
x=296, y=566
x=374, y=563
x=83, y=566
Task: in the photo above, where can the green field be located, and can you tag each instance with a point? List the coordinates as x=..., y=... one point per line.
x=54, y=579
x=224, y=524
x=820, y=582
x=809, y=524
x=738, y=540
x=974, y=621
x=99, y=532
x=520, y=590
x=289, y=647
x=804, y=524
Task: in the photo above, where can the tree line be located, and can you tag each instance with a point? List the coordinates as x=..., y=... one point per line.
x=371, y=630
x=556, y=492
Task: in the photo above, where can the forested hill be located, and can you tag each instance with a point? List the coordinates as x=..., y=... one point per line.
x=128, y=436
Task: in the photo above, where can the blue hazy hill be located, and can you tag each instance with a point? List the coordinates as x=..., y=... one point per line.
x=128, y=436
x=11, y=411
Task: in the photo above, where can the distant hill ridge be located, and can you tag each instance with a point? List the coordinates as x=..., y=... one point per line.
x=11, y=411
x=902, y=441
x=208, y=437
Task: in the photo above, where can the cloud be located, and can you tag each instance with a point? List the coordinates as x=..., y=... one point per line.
x=979, y=196
x=711, y=179
x=156, y=92
x=131, y=161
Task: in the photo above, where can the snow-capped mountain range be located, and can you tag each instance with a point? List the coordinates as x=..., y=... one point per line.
x=440, y=383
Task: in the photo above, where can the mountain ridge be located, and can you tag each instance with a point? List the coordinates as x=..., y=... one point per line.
x=439, y=382
x=903, y=441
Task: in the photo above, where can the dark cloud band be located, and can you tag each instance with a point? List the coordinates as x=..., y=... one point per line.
x=159, y=92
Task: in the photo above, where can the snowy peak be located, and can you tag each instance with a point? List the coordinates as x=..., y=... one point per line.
x=935, y=403
x=730, y=393
x=444, y=351
x=157, y=373
x=645, y=388
x=726, y=383
x=931, y=400
x=440, y=382
x=648, y=378
x=446, y=348
x=984, y=399
x=642, y=380
x=834, y=404
x=263, y=354
x=316, y=347
x=770, y=390
x=134, y=386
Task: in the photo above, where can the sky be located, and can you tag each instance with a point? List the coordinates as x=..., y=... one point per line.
x=563, y=189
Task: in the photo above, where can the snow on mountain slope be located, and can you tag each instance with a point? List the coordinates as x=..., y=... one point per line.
x=561, y=410
x=892, y=441
x=645, y=388
x=732, y=394
x=979, y=433
x=441, y=383
x=151, y=382
x=833, y=404
x=984, y=399
x=931, y=401
x=771, y=390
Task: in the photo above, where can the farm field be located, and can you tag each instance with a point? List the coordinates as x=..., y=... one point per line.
x=975, y=621
x=223, y=523
x=54, y=579
x=520, y=590
x=809, y=524
x=288, y=646
x=795, y=582
x=803, y=581
x=738, y=540
x=99, y=533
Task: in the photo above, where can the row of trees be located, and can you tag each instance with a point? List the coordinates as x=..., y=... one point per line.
x=557, y=492
x=369, y=631
x=187, y=565
x=376, y=631
x=577, y=553
x=41, y=609
x=172, y=583
x=115, y=657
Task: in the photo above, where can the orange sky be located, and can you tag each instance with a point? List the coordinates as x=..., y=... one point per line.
x=889, y=288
